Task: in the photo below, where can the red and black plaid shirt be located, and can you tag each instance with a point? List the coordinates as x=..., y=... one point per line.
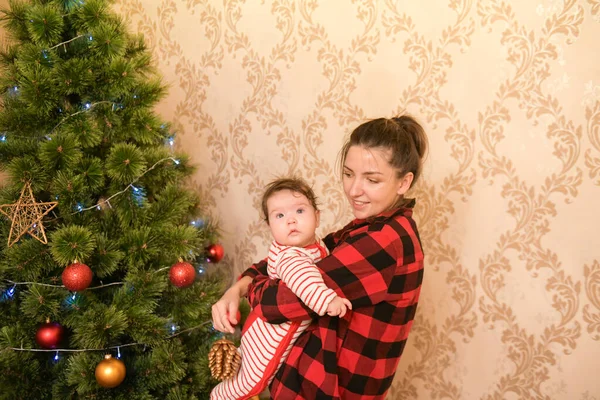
x=377, y=265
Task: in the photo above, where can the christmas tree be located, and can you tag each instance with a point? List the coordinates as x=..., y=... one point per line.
x=103, y=251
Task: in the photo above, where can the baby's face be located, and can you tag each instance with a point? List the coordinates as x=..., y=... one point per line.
x=292, y=218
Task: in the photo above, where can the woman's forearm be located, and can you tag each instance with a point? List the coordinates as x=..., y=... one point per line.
x=242, y=285
x=274, y=302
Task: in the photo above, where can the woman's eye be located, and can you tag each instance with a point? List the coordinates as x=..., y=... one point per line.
x=347, y=174
x=373, y=181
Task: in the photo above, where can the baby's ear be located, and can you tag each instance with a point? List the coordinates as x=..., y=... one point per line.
x=318, y=216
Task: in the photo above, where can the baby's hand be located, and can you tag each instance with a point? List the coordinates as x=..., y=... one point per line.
x=338, y=306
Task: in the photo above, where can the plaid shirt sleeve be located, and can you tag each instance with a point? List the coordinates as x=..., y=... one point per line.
x=259, y=268
x=290, y=307
x=362, y=268
x=276, y=303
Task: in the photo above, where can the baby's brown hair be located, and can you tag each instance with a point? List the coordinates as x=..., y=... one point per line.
x=293, y=184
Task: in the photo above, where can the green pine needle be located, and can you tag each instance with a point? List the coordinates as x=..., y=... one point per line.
x=28, y=168
x=99, y=327
x=45, y=24
x=41, y=302
x=69, y=188
x=85, y=129
x=37, y=89
x=125, y=163
x=108, y=41
x=90, y=169
x=31, y=54
x=92, y=14
x=61, y=152
x=107, y=256
x=15, y=18
x=74, y=76
x=79, y=371
x=72, y=243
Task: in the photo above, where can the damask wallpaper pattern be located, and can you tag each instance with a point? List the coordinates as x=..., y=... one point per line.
x=509, y=93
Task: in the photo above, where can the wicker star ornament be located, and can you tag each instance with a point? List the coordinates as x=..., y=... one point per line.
x=26, y=216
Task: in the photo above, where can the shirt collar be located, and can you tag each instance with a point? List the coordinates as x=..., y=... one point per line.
x=314, y=245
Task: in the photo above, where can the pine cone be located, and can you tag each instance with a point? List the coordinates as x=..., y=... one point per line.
x=223, y=359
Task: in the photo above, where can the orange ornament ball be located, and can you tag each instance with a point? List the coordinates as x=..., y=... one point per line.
x=110, y=372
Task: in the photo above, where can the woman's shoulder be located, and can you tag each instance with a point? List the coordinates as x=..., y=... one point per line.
x=392, y=218
x=395, y=222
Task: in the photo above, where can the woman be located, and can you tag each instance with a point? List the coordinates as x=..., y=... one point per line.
x=376, y=262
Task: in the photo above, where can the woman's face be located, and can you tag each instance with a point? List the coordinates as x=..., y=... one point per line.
x=370, y=182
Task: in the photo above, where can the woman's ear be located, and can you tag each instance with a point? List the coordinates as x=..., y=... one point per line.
x=405, y=183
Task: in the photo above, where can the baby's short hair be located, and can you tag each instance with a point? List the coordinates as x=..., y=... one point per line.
x=293, y=184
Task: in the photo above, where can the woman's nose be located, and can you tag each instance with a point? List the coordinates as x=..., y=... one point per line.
x=355, y=188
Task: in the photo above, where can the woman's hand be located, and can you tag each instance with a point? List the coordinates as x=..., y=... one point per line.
x=225, y=310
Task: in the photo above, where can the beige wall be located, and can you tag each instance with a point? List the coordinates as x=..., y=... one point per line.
x=510, y=95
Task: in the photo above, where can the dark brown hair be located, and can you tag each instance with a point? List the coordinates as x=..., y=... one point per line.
x=293, y=184
x=403, y=135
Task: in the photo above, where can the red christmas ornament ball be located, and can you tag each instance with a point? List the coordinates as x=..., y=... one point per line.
x=49, y=335
x=238, y=318
x=182, y=274
x=77, y=277
x=215, y=252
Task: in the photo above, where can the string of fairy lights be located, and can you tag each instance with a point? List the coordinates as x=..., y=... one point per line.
x=138, y=194
x=116, y=348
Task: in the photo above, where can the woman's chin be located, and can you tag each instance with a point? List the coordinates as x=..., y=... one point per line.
x=361, y=212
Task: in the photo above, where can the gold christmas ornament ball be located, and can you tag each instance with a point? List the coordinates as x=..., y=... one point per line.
x=110, y=372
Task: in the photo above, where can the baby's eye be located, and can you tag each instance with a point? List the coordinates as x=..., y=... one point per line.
x=300, y=210
x=278, y=216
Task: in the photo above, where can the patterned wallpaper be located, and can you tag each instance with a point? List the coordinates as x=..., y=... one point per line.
x=509, y=93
